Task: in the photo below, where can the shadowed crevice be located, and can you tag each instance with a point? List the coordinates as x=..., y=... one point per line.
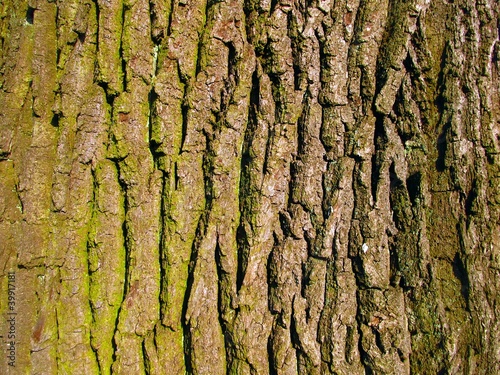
x=460, y=272
x=30, y=15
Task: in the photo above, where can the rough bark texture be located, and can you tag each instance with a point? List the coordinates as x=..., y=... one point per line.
x=251, y=186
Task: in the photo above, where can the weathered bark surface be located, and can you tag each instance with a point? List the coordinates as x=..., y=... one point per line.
x=251, y=186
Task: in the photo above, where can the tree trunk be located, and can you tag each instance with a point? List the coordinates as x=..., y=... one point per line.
x=250, y=187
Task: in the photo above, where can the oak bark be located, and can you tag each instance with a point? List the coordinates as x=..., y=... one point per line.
x=251, y=186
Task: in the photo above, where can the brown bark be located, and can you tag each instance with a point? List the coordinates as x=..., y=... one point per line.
x=250, y=186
